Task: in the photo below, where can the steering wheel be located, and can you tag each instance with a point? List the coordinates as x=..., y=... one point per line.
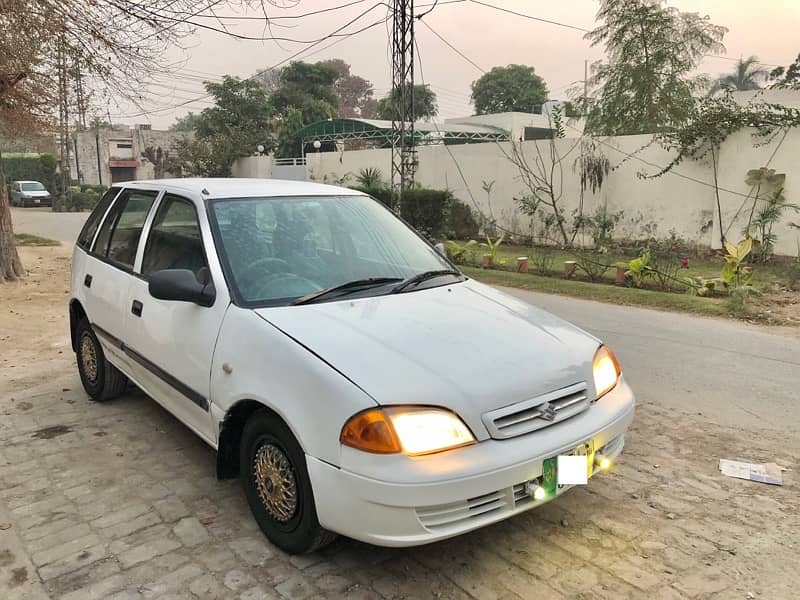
x=258, y=276
x=262, y=267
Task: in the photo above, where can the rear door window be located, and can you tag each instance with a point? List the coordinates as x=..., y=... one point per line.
x=93, y=222
x=119, y=235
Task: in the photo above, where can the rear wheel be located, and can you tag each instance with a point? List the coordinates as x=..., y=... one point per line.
x=277, y=486
x=101, y=380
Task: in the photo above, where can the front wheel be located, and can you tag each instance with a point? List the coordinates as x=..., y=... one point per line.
x=101, y=380
x=277, y=486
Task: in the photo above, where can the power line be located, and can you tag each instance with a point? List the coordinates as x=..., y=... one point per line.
x=284, y=17
x=316, y=12
x=584, y=30
x=252, y=38
x=531, y=17
x=429, y=11
x=278, y=64
x=444, y=143
x=657, y=166
x=456, y=50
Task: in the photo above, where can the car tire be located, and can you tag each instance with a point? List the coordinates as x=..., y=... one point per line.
x=277, y=486
x=101, y=380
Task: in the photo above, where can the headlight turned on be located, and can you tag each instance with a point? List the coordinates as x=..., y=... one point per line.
x=412, y=430
x=606, y=371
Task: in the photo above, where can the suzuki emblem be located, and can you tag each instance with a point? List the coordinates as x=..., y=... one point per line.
x=547, y=411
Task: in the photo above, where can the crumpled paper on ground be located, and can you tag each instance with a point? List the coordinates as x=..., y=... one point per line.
x=769, y=473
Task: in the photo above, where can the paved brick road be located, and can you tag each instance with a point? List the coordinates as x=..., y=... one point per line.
x=120, y=500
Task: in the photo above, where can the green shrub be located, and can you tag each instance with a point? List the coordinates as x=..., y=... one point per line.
x=82, y=200
x=462, y=224
x=427, y=211
x=543, y=258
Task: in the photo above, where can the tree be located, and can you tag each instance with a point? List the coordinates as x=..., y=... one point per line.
x=270, y=79
x=786, y=77
x=353, y=93
x=185, y=123
x=22, y=78
x=305, y=95
x=235, y=126
x=162, y=161
x=509, y=89
x=286, y=125
x=424, y=106
x=746, y=75
x=309, y=88
x=646, y=87
x=543, y=175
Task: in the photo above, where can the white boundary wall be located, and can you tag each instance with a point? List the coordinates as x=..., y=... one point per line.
x=652, y=207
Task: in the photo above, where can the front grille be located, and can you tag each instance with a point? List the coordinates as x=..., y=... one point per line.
x=445, y=515
x=537, y=413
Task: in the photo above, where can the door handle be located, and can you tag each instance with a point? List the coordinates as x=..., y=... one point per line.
x=87, y=281
x=136, y=308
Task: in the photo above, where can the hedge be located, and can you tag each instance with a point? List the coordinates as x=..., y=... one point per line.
x=40, y=168
x=83, y=197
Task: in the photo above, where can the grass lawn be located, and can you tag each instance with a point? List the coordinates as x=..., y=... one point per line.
x=715, y=307
x=776, y=304
x=27, y=239
x=706, y=266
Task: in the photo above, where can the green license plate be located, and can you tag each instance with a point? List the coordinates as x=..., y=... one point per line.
x=550, y=467
x=550, y=476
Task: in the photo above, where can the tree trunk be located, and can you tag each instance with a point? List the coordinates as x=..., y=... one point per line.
x=10, y=264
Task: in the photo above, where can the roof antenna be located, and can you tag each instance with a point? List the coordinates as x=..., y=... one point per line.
x=205, y=192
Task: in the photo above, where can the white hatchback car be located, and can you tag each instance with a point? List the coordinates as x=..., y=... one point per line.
x=354, y=379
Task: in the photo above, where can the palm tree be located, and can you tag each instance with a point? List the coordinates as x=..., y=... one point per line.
x=746, y=75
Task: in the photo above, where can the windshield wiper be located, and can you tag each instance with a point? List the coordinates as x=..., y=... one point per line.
x=345, y=287
x=424, y=276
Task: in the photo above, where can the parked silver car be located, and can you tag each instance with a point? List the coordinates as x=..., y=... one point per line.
x=30, y=193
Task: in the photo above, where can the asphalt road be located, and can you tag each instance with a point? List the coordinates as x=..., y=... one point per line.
x=732, y=373
x=64, y=227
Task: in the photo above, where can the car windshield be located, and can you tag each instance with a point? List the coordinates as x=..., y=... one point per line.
x=277, y=250
x=32, y=186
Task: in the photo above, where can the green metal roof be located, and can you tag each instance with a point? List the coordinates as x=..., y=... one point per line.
x=425, y=132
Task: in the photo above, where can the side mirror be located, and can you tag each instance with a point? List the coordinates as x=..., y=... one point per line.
x=181, y=285
x=440, y=249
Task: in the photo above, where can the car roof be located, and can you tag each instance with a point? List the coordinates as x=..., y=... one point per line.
x=26, y=181
x=236, y=187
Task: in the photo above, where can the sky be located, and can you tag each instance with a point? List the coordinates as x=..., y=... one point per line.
x=486, y=36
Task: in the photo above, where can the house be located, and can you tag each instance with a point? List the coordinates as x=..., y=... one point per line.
x=105, y=155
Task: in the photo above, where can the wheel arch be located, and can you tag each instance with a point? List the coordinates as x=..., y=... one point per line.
x=76, y=314
x=230, y=435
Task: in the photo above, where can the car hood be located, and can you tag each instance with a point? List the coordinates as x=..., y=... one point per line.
x=466, y=346
x=36, y=193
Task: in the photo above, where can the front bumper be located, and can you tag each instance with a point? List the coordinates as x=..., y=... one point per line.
x=38, y=201
x=441, y=496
